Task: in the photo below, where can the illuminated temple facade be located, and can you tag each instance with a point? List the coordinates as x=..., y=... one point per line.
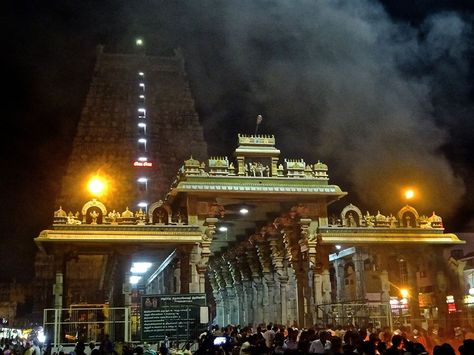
x=255, y=231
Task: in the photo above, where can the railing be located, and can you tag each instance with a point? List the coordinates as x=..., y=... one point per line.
x=358, y=312
x=81, y=323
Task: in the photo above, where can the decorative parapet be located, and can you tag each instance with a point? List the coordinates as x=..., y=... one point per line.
x=192, y=167
x=95, y=212
x=256, y=156
x=262, y=140
x=408, y=218
x=295, y=168
x=219, y=166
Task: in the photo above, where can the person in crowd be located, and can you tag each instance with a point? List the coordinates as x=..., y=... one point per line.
x=398, y=345
x=321, y=345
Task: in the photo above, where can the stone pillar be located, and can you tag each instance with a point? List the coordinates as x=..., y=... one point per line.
x=358, y=260
x=413, y=298
x=339, y=267
x=284, y=299
x=209, y=229
x=277, y=248
x=194, y=285
x=176, y=274
x=269, y=308
x=240, y=304
x=385, y=296
x=248, y=302
x=58, y=291
x=219, y=308
x=258, y=310
x=291, y=294
x=184, y=255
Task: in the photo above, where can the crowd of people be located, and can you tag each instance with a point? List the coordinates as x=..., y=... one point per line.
x=279, y=340
x=274, y=339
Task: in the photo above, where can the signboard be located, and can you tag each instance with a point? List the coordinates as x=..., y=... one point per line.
x=177, y=316
x=143, y=163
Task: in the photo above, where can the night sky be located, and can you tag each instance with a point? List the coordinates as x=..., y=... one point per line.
x=381, y=91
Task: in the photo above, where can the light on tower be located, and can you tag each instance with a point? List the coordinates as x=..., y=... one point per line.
x=96, y=186
x=139, y=42
x=409, y=194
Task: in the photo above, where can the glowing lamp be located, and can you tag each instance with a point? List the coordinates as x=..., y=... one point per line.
x=223, y=229
x=134, y=279
x=404, y=292
x=142, y=180
x=244, y=211
x=140, y=267
x=139, y=42
x=409, y=194
x=96, y=186
x=142, y=204
x=141, y=73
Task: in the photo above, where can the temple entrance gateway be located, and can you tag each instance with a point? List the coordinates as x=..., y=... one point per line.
x=259, y=244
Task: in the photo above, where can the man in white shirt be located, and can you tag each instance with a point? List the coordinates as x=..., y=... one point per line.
x=269, y=337
x=321, y=345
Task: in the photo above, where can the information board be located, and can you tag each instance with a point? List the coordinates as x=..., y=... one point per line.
x=176, y=316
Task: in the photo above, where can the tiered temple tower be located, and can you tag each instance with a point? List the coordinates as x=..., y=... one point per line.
x=106, y=141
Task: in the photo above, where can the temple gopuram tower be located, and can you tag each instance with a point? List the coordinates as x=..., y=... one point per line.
x=133, y=96
x=137, y=126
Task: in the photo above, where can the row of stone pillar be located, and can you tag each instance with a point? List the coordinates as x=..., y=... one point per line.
x=273, y=276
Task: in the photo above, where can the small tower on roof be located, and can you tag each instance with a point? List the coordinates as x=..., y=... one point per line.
x=257, y=149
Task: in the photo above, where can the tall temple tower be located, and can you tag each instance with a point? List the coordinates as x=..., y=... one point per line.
x=137, y=127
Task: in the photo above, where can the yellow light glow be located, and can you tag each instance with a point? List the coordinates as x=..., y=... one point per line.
x=404, y=292
x=96, y=186
x=409, y=194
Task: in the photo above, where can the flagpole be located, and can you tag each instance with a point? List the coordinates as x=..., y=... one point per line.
x=259, y=120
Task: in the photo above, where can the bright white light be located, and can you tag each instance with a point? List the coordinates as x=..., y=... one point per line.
x=142, y=85
x=338, y=247
x=140, y=267
x=41, y=336
x=142, y=125
x=244, y=210
x=142, y=204
x=142, y=158
x=142, y=97
x=141, y=73
x=142, y=180
x=222, y=229
x=471, y=291
x=139, y=42
x=141, y=109
x=134, y=279
x=142, y=140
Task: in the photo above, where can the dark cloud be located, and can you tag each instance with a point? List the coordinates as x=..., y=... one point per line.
x=345, y=83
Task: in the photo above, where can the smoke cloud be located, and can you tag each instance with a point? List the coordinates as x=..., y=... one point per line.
x=338, y=81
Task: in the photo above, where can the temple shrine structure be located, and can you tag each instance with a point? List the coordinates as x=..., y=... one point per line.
x=256, y=232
